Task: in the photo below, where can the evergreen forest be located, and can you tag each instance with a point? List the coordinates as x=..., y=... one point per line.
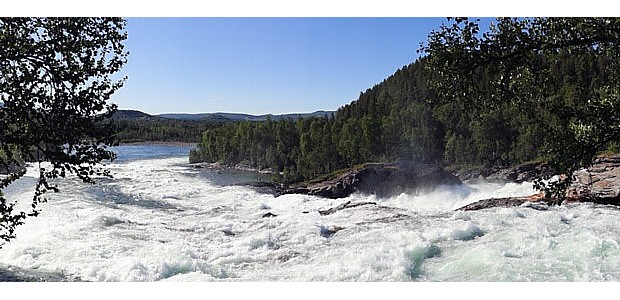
x=404, y=118
x=155, y=129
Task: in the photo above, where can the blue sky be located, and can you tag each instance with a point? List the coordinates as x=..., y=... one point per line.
x=262, y=65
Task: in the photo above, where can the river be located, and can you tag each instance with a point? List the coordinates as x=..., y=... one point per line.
x=160, y=220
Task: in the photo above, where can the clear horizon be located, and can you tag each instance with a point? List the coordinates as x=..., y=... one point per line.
x=262, y=65
x=158, y=80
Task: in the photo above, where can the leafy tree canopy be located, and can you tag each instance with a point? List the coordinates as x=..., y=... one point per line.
x=56, y=77
x=515, y=62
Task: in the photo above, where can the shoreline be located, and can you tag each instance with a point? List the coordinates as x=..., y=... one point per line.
x=220, y=167
x=158, y=143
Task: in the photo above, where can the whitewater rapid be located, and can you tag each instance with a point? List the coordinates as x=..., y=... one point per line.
x=160, y=220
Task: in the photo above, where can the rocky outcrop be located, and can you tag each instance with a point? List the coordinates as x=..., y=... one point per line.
x=381, y=179
x=534, y=201
x=599, y=184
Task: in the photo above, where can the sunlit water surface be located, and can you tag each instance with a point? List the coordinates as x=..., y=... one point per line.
x=159, y=219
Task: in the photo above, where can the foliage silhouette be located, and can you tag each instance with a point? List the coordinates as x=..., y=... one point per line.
x=56, y=77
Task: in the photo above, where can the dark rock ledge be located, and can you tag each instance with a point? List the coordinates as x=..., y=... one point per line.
x=505, y=202
x=381, y=179
x=346, y=205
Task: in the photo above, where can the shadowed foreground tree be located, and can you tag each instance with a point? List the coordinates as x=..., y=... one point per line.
x=56, y=77
x=515, y=63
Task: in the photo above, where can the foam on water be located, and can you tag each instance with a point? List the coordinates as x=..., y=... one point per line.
x=159, y=220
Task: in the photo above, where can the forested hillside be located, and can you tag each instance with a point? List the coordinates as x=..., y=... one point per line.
x=155, y=129
x=135, y=126
x=402, y=118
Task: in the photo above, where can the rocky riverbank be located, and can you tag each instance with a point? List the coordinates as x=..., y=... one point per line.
x=599, y=183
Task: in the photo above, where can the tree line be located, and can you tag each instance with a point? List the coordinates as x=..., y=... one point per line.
x=132, y=130
x=559, y=74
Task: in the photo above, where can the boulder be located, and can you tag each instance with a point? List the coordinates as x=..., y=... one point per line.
x=381, y=179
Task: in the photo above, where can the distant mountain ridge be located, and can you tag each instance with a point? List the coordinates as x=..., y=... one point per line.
x=131, y=114
x=218, y=116
x=236, y=117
